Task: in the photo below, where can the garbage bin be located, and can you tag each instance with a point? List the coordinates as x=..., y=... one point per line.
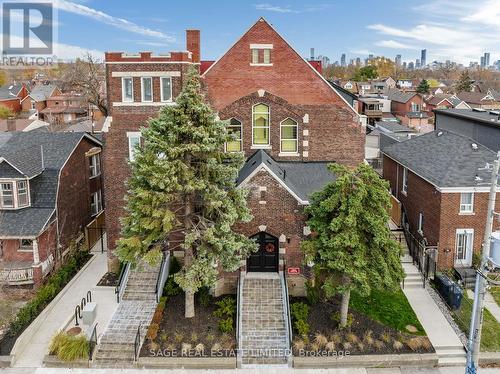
x=438, y=281
x=456, y=297
x=447, y=290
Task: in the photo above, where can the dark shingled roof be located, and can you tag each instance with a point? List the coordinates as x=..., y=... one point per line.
x=400, y=96
x=487, y=117
x=57, y=148
x=443, y=158
x=9, y=91
x=303, y=178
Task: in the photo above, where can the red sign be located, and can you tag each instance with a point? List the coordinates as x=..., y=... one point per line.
x=293, y=270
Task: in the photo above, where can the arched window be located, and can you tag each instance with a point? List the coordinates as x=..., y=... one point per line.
x=289, y=141
x=234, y=129
x=260, y=125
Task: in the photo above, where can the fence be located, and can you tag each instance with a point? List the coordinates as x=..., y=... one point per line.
x=94, y=232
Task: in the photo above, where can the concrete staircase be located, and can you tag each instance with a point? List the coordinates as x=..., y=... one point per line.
x=263, y=334
x=138, y=304
x=451, y=355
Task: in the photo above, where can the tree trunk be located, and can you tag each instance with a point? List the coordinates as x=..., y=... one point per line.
x=344, y=305
x=189, y=308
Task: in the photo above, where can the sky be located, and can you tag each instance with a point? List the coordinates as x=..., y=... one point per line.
x=457, y=30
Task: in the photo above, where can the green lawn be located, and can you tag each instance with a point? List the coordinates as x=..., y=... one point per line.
x=495, y=291
x=490, y=336
x=390, y=309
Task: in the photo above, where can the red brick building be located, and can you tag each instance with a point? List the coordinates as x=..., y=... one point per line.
x=288, y=120
x=441, y=182
x=50, y=190
x=409, y=108
x=11, y=96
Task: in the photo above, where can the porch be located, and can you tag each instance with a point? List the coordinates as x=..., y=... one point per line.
x=15, y=273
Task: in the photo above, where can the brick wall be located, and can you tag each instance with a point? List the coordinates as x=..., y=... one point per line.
x=75, y=189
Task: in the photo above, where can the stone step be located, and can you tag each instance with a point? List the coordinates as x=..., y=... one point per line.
x=264, y=361
x=111, y=347
x=138, y=296
x=452, y=361
x=114, y=355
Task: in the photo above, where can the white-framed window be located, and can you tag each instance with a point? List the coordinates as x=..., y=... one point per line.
x=404, y=187
x=415, y=107
x=146, y=89
x=134, y=141
x=127, y=89
x=22, y=194
x=466, y=202
x=26, y=245
x=96, y=202
x=33, y=104
x=7, y=194
x=95, y=165
x=464, y=246
x=260, y=125
x=421, y=223
x=261, y=54
x=266, y=56
x=166, y=89
x=235, y=129
x=289, y=136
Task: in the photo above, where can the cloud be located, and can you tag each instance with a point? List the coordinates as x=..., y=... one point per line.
x=288, y=9
x=488, y=14
x=394, y=44
x=121, y=23
x=362, y=52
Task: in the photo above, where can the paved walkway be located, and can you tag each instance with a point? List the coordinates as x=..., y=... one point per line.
x=31, y=353
x=489, y=303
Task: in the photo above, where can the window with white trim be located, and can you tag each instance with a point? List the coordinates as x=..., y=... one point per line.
x=166, y=89
x=22, y=194
x=415, y=107
x=127, y=89
x=134, y=141
x=234, y=129
x=404, y=187
x=261, y=54
x=421, y=223
x=288, y=133
x=146, y=89
x=260, y=125
x=95, y=165
x=7, y=194
x=25, y=244
x=464, y=244
x=96, y=203
x=466, y=202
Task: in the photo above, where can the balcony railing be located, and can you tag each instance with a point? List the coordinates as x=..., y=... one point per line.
x=16, y=276
x=373, y=113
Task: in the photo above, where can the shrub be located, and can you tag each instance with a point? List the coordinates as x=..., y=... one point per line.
x=320, y=340
x=205, y=297
x=300, y=311
x=313, y=293
x=299, y=344
x=69, y=347
x=185, y=348
x=210, y=338
x=225, y=307
x=226, y=325
x=199, y=348
x=414, y=343
x=378, y=344
x=178, y=337
x=315, y=347
x=158, y=316
x=347, y=346
x=153, y=331
x=336, y=318
x=330, y=346
x=302, y=327
x=175, y=265
x=194, y=337
x=164, y=338
x=397, y=345
x=361, y=346
x=385, y=337
x=368, y=338
x=335, y=338
x=352, y=338
x=216, y=347
x=5, y=112
x=171, y=287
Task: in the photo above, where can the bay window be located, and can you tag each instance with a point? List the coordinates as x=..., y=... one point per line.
x=260, y=125
x=289, y=141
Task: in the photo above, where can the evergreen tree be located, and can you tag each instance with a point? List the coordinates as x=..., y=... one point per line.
x=464, y=83
x=183, y=183
x=423, y=87
x=351, y=247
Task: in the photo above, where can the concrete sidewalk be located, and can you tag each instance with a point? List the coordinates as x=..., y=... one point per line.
x=489, y=303
x=442, y=336
x=33, y=344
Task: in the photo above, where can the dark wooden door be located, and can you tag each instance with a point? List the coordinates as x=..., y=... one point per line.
x=266, y=258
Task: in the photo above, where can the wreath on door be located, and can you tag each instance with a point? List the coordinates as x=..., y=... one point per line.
x=270, y=247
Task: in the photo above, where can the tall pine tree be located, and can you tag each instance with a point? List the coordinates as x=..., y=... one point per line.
x=352, y=248
x=464, y=82
x=184, y=183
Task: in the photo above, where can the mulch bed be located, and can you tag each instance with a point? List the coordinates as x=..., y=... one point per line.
x=364, y=336
x=109, y=279
x=175, y=331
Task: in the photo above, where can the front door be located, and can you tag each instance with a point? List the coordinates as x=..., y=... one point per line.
x=463, y=247
x=266, y=257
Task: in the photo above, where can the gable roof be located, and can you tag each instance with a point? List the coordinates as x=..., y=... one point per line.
x=42, y=92
x=443, y=158
x=474, y=97
x=308, y=66
x=400, y=96
x=438, y=99
x=301, y=179
x=347, y=95
x=10, y=91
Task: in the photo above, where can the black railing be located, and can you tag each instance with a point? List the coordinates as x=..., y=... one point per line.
x=137, y=343
x=79, y=308
x=287, y=306
x=123, y=272
x=92, y=342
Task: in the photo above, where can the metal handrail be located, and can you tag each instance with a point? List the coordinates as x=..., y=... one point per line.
x=239, y=303
x=162, y=275
x=92, y=342
x=287, y=306
x=137, y=342
x=122, y=281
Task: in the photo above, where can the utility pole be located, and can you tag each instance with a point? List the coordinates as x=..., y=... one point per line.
x=474, y=341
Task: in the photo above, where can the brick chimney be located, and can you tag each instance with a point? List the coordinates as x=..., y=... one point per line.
x=11, y=124
x=193, y=43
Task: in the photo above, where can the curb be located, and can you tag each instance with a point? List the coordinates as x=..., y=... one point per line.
x=30, y=330
x=489, y=358
x=5, y=361
x=368, y=361
x=50, y=361
x=186, y=363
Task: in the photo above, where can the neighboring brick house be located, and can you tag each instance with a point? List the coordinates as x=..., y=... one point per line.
x=441, y=181
x=409, y=108
x=37, y=99
x=50, y=190
x=443, y=101
x=480, y=100
x=288, y=120
x=12, y=94
x=64, y=108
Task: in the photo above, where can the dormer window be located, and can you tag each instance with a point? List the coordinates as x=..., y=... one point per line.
x=261, y=54
x=14, y=194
